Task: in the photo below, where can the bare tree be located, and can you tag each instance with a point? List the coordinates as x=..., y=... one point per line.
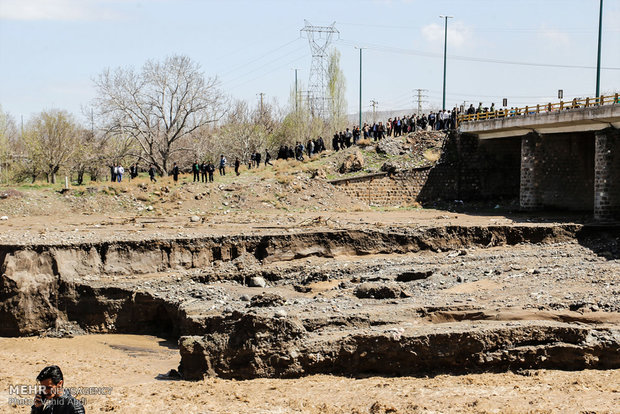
x=159, y=106
x=336, y=86
x=8, y=136
x=50, y=141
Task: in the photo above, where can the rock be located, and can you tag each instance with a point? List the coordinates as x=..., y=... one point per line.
x=245, y=298
x=353, y=162
x=390, y=167
x=195, y=219
x=257, y=281
x=280, y=313
x=319, y=173
x=4, y=218
x=302, y=288
x=380, y=291
x=149, y=208
x=173, y=374
x=266, y=300
x=390, y=146
x=413, y=275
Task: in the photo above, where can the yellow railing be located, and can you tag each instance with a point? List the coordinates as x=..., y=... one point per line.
x=540, y=108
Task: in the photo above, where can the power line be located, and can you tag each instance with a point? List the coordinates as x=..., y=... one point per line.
x=254, y=69
x=468, y=58
x=269, y=72
x=262, y=56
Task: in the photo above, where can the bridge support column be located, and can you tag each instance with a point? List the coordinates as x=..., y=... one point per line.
x=607, y=175
x=530, y=197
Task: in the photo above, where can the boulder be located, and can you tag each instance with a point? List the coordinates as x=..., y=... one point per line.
x=353, y=162
x=266, y=300
x=380, y=291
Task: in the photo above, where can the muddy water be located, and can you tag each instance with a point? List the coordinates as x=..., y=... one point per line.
x=130, y=364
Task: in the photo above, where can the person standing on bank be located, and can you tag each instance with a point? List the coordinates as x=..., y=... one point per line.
x=203, y=172
x=175, y=172
x=210, y=170
x=196, y=171
x=53, y=399
x=237, y=165
x=152, y=174
x=223, y=163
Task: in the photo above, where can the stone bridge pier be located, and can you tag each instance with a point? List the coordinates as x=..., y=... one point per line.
x=577, y=171
x=607, y=175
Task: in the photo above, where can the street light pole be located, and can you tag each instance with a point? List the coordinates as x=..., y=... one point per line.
x=360, y=109
x=598, y=60
x=445, y=51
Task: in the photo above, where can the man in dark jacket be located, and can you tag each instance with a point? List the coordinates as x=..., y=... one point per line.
x=152, y=174
x=203, y=172
x=196, y=171
x=175, y=172
x=53, y=399
x=210, y=170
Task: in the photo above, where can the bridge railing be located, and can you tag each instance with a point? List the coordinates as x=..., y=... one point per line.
x=540, y=108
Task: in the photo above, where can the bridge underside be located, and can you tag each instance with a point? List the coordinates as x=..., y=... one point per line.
x=569, y=160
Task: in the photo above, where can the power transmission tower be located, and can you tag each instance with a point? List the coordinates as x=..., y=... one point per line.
x=319, y=38
x=374, y=105
x=420, y=100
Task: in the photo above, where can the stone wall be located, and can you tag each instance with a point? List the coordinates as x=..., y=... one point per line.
x=469, y=169
x=566, y=171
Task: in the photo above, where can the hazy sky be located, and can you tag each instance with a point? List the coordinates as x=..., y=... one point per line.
x=50, y=50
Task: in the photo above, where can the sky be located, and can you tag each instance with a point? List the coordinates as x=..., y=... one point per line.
x=525, y=51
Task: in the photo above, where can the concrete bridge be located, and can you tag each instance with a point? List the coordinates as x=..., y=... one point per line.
x=570, y=152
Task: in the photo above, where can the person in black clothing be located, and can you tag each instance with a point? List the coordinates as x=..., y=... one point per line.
x=257, y=158
x=53, y=399
x=196, y=171
x=175, y=172
x=252, y=159
x=335, y=142
x=203, y=172
x=210, y=170
x=152, y=174
x=112, y=173
x=267, y=158
x=237, y=165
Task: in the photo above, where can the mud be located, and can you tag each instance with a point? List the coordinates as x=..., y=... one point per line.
x=399, y=301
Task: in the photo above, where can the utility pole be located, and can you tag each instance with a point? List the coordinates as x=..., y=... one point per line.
x=420, y=100
x=598, y=59
x=374, y=105
x=360, y=48
x=296, y=93
x=261, y=94
x=445, y=52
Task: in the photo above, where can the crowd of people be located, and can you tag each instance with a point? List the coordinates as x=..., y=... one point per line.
x=393, y=127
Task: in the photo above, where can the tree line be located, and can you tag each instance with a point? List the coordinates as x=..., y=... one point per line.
x=167, y=111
